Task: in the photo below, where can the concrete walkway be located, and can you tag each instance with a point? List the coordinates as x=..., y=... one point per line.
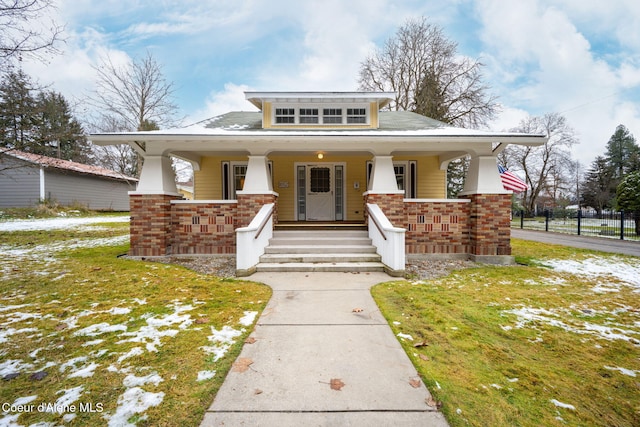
x=308, y=335
x=625, y=247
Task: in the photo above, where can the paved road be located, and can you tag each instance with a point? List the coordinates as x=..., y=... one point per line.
x=625, y=247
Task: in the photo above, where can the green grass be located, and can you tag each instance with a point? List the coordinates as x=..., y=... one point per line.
x=46, y=299
x=488, y=369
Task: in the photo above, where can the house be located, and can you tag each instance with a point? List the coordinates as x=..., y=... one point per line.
x=321, y=158
x=27, y=178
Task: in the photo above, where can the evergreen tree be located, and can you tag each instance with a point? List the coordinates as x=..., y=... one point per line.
x=629, y=196
x=58, y=133
x=38, y=121
x=17, y=106
x=598, y=186
x=623, y=154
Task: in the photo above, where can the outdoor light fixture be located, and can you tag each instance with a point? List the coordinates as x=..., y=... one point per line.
x=320, y=156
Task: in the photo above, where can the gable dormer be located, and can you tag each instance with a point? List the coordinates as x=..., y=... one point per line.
x=319, y=110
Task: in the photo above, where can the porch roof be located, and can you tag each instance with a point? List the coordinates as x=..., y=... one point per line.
x=393, y=124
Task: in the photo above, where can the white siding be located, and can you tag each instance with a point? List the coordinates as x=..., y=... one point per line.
x=91, y=191
x=19, y=183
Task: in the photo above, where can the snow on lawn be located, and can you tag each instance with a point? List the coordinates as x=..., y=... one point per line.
x=602, y=268
x=532, y=316
x=56, y=223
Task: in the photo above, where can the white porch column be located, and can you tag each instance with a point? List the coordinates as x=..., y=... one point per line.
x=383, y=177
x=157, y=176
x=257, y=180
x=483, y=177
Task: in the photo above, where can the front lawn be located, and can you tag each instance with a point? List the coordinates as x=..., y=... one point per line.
x=88, y=338
x=555, y=342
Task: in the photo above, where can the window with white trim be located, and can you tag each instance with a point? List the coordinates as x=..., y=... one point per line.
x=406, y=177
x=285, y=115
x=233, y=176
x=356, y=115
x=308, y=116
x=332, y=115
x=319, y=115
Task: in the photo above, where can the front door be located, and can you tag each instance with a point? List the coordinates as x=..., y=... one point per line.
x=320, y=192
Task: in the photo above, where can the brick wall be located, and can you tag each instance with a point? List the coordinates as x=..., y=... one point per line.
x=490, y=224
x=437, y=227
x=392, y=205
x=150, y=224
x=203, y=228
x=250, y=204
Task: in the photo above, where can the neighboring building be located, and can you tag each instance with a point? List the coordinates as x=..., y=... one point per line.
x=27, y=178
x=330, y=158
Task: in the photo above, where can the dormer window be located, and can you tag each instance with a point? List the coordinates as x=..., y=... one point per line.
x=285, y=115
x=308, y=116
x=332, y=116
x=320, y=110
x=356, y=115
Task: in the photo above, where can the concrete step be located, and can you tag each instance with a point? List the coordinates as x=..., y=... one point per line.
x=318, y=240
x=341, y=266
x=310, y=248
x=319, y=258
x=321, y=233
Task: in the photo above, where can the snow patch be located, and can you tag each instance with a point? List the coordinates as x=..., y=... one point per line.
x=405, y=336
x=136, y=351
x=134, y=401
x=248, y=318
x=623, y=371
x=151, y=334
x=131, y=381
x=563, y=405
x=56, y=223
x=599, y=267
x=222, y=341
x=206, y=375
x=99, y=329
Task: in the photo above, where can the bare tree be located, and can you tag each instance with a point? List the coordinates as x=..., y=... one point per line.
x=134, y=97
x=137, y=94
x=19, y=36
x=548, y=169
x=428, y=76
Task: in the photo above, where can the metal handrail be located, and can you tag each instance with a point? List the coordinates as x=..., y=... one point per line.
x=264, y=223
x=375, y=221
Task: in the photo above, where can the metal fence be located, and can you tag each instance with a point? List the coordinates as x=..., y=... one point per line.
x=618, y=225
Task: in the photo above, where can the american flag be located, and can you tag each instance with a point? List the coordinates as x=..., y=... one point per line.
x=511, y=181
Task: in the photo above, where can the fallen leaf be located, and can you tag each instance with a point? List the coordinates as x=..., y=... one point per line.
x=257, y=391
x=242, y=364
x=201, y=320
x=423, y=357
x=250, y=340
x=415, y=383
x=61, y=326
x=336, y=384
x=433, y=403
x=96, y=269
x=357, y=310
x=420, y=344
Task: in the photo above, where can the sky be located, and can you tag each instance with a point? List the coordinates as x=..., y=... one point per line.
x=574, y=57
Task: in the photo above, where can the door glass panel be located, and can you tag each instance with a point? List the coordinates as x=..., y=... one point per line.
x=302, y=208
x=338, y=190
x=320, y=180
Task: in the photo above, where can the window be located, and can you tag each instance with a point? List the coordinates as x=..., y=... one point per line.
x=356, y=115
x=285, y=115
x=332, y=115
x=308, y=115
x=406, y=177
x=320, y=180
x=233, y=176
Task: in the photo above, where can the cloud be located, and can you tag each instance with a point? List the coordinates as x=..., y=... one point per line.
x=541, y=60
x=232, y=98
